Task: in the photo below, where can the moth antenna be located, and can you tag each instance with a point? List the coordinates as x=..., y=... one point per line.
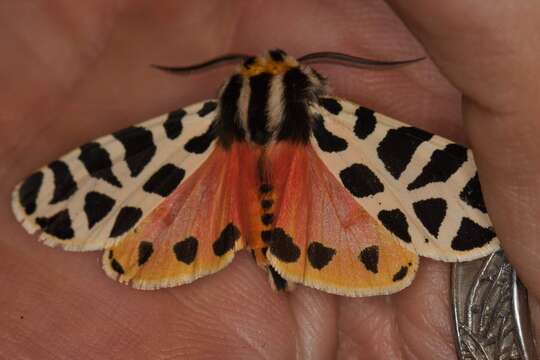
x=207, y=64
x=345, y=59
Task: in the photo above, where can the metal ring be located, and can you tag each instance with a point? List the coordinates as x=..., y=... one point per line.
x=491, y=313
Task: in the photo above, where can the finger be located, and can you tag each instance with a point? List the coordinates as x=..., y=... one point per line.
x=487, y=51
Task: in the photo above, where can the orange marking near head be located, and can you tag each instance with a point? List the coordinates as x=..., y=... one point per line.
x=263, y=64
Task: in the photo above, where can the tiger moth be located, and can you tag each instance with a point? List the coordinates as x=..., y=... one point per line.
x=324, y=192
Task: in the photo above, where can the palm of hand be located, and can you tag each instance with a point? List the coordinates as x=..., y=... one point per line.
x=79, y=71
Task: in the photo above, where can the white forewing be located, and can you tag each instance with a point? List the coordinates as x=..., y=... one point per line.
x=93, y=195
x=421, y=187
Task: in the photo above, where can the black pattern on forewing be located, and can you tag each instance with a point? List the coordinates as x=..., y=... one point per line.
x=97, y=193
x=423, y=188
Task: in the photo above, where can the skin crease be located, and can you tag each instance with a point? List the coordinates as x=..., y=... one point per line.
x=72, y=71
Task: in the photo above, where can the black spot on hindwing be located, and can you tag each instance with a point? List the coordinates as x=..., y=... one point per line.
x=98, y=163
x=365, y=122
x=443, y=164
x=207, y=108
x=396, y=222
x=96, y=207
x=360, y=180
x=327, y=141
x=139, y=147
x=29, y=190
x=173, y=124
x=146, y=248
x=127, y=218
x=431, y=213
x=471, y=235
x=186, y=250
x=165, y=180
x=369, y=256
x=331, y=105
x=281, y=245
x=226, y=240
x=58, y=225
x=319, y=255
x=398, y=146
x=115, y=265
x=400, y=275
x=472, y=194
x=64, y=184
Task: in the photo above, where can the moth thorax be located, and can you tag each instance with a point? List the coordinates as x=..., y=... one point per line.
x=263, y=106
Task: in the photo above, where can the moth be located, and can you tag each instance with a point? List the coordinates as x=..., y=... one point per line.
x=324, y=192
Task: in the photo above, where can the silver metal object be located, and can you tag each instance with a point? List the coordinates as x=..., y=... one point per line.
x=491, y=313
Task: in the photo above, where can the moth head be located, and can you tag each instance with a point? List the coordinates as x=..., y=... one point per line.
x=275, y=62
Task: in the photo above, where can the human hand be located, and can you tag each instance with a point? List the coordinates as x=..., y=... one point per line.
x=74, y=71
